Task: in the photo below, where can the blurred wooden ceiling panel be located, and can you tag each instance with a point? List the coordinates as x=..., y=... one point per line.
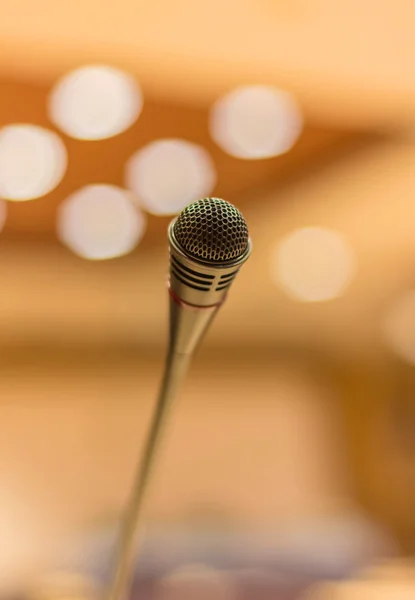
x=349, y=62
x=51, y=297
x=103, y=161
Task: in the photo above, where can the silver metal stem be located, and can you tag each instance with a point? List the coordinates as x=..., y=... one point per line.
x=215, y=234
x=188, y=325
x=175, y=371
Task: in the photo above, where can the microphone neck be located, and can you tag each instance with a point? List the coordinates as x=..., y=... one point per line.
x=188, y=325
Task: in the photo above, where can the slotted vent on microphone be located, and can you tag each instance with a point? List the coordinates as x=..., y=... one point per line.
x=212, y=230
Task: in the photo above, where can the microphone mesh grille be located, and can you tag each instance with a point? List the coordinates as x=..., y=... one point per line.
x=212, y=230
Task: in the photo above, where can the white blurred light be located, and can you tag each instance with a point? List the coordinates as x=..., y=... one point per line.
x=33, y=161
x=196, y=582
x=399, y=327
x=313, y=264
x=95, y=102
x=100, y=222
x=256, y=122
x=168, y=174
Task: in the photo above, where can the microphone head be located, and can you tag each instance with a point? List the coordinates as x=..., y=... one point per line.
x=211, y=230
x=209, y=241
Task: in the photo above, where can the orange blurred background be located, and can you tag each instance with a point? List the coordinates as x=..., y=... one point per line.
x=298, y=417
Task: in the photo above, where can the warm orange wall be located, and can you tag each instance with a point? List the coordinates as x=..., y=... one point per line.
x=256, y=444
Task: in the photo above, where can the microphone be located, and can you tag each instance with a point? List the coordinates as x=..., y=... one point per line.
x=209, y=242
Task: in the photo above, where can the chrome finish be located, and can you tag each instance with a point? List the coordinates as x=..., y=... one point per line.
x=211, y=230
x=126, y=552
x=197, y=290
x=200, y=283
x=188, y=324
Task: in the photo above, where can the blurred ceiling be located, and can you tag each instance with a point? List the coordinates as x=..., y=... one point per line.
x=104, y=160
x=349, y=63
x=350, y=66
x=123, y=301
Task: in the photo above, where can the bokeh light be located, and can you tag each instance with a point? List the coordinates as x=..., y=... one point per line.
x=33, y=161
x=399, y=327
x=256, y=122
x=196, y=582
x=168, y=174
x=313, y=264
x=95, y=102
x=100, y=222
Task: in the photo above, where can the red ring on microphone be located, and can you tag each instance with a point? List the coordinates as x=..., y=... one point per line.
x=180, y=302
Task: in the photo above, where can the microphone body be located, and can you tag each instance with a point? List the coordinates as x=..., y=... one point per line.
x=197, y=289
x=209, y=242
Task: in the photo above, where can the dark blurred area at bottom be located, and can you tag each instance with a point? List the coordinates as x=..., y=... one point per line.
x=211, y=565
